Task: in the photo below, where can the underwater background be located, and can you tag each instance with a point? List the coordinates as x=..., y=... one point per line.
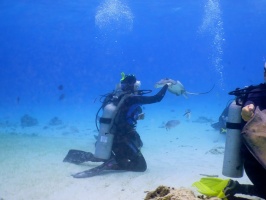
x=58, y=57
x=85, y=45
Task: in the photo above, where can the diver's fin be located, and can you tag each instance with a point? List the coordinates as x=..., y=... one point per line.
x=108, y=165
x=77, y=157
x=212, y=186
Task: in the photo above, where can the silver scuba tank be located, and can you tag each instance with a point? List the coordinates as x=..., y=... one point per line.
x=233, y=162
x=105, y=138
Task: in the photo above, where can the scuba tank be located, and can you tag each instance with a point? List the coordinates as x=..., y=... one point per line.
x=103, y=147
x=233, y=162
x=111, y=106
x=104, y=142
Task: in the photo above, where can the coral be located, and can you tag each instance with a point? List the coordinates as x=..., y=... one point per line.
x=161, y=191
x=27, y=121
x=167, y=193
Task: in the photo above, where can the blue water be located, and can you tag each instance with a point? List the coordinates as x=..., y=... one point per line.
x=57, y=57
x=85, y=45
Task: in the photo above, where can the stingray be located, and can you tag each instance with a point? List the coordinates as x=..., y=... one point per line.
x=177, y=88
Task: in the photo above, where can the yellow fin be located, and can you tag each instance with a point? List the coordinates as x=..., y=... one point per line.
x=212, y=186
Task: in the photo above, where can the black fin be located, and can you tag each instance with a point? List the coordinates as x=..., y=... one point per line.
x=108, y=165
x=77, y=157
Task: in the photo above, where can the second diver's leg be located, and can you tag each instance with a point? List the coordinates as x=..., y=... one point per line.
x=234, y=187
x=256, y=174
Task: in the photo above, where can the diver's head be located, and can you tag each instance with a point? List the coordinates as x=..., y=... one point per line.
x=129, y=83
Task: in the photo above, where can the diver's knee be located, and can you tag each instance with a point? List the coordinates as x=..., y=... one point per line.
x=143, y=169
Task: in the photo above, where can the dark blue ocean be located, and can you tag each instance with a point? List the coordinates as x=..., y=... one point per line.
x=58, y=57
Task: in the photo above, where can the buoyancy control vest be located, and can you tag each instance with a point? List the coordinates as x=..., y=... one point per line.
x=133, y=114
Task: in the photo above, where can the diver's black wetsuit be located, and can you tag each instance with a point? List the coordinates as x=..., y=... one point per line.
x=254, y=170
x=126, y=141
x=257, y=97
x=126, y=153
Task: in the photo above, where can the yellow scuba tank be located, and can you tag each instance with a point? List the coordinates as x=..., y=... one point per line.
x=233, y=162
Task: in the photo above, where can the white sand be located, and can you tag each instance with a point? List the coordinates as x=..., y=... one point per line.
x=32, y=168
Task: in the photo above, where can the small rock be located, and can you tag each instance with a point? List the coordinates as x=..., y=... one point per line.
x=28, y=121
x=55, y=121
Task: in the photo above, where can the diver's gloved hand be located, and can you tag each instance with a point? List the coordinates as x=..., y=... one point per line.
x=169, y=84
x=231, y=188
x=248, y=112
x=164, y=82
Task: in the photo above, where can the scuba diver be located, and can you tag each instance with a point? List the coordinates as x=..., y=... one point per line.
x=221, y=124
x=252, y=98
x=118, y=143
x=247, y=119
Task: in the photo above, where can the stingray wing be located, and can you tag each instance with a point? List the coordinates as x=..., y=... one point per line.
x=162, y=82
x=177, y=89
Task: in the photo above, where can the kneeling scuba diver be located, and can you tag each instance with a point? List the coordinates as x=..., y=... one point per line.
x=245, y=146
x=118, y=143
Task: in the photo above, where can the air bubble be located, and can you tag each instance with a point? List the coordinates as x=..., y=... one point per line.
x=114, y=15
x=212, y=24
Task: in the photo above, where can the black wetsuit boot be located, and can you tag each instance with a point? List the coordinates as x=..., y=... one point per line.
x=246, y=189
x=234, y=187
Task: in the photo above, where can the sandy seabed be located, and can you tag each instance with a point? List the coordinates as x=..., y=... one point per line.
x=32, y=168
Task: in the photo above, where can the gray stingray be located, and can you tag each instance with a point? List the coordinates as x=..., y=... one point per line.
x=177, y=88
